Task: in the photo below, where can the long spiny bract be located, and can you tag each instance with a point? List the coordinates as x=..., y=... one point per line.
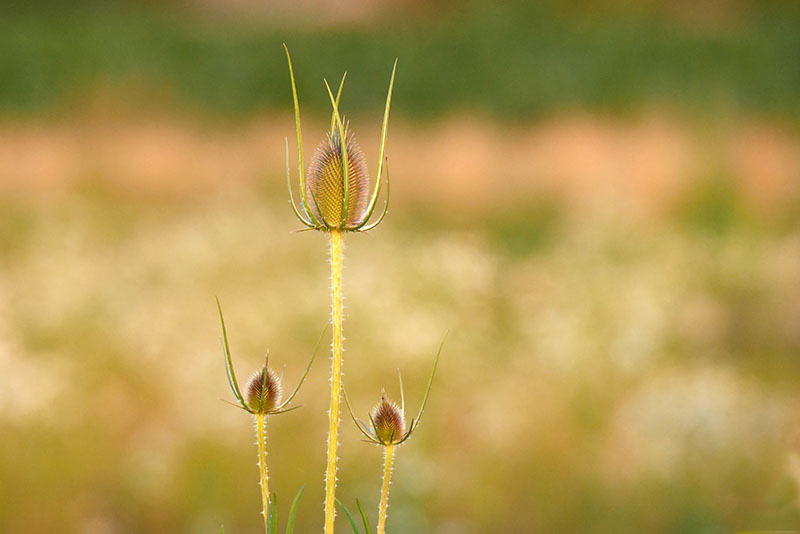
x=384, y=127
x=335, y=194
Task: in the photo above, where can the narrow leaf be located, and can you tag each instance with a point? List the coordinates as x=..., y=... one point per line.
x=367, y=530
x=348, y=515
x=272, y=515
x=293, y=511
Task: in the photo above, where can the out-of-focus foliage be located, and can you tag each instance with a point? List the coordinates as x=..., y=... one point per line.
x=515, y=59
x=621, y=282
x=601, y=375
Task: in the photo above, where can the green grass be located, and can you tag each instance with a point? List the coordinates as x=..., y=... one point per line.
x=516, y=60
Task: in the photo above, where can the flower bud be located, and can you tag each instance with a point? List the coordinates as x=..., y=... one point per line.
x=325, y=182
x=388, y=421
x=263, y=391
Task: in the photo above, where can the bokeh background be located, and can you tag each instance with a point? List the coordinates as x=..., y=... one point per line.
x=598, y=199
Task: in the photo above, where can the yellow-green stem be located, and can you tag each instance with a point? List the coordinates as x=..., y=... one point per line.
x=387, y=474
x=337, y=244
x=262, y=466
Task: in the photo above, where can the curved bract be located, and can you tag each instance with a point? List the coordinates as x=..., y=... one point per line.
x=335, y=194
x=387, y=420
x=263, y=392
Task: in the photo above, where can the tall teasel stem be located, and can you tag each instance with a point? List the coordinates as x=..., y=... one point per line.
x=261, y=423
x=337, y=246
x=335, y=198
x=387, y=474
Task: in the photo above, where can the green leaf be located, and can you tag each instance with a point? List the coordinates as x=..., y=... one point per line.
x=349, y=516
x=272, y=515
x=363, y=517
x=293, y=511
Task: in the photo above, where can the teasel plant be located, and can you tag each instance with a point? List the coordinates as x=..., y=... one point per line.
x=336, y=197
x=387, y=428
x=261, y=398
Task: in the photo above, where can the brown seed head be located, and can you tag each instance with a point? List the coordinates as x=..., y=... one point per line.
x=263, y=391
x=388, y=420
x=325, y=182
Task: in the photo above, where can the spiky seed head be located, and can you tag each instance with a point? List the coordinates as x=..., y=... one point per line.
x=325, y=182
x=263, y=391
x=388, y=420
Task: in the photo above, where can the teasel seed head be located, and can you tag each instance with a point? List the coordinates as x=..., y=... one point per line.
x=388, y=421
x=263, y=391
x=388, y=424
x=335, y=194
x=325, y=182
x=262, y=395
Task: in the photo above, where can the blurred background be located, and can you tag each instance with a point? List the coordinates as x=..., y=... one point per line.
x=599, y=199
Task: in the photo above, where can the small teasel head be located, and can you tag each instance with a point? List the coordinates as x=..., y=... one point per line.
x=263, y=392
x=388, y=421
x=262, y=395
x=335, y=193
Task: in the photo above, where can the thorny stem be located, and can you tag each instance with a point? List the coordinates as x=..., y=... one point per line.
x=337, y=243
x=387, y=473
x=262, y=467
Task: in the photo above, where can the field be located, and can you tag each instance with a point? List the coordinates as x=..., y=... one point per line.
x=614, y=250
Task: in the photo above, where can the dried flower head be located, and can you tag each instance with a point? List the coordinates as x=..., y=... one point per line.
x=325, y=181
x=263, y=392
x=335, y=194
x=387, y=419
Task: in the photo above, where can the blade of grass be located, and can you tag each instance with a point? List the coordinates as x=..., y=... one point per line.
x=293, y=511
x=367, y=530
x=348, y=515
x=272, y=515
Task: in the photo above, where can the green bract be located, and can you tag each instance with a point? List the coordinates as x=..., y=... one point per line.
x=263, y=397
x=335, y=192
x=387, y=420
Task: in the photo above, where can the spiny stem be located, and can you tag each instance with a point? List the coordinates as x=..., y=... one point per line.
x=262, y=467
x=337, y=244
x=387, y=474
